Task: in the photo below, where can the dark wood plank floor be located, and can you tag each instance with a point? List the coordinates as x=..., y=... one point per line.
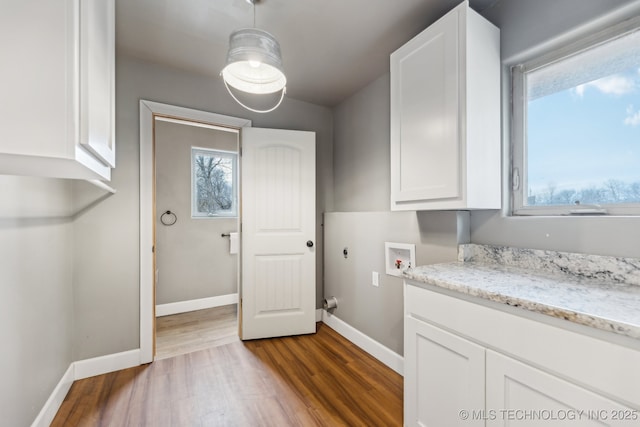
x=310, y=380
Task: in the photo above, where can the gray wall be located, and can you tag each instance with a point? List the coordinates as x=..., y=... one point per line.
x=361, y=165
x=527, y=26
x=192, y=259
x=378, y=311
x=36, y=293
x=107, y=272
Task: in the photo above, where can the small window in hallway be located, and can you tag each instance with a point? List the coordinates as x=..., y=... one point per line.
x=213, y=183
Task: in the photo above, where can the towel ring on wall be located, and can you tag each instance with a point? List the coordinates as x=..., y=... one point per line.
x=170, y=219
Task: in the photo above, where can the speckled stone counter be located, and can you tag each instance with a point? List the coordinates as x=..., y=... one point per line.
x=597, y=291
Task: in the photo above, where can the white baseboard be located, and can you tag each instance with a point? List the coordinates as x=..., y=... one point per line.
x=79, y=370
x=195, y=304
x=101, y=365
x=51, y=406
x=318, y=315
x=390, y=358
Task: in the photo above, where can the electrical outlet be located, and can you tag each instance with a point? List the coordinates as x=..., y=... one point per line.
x=375, y=278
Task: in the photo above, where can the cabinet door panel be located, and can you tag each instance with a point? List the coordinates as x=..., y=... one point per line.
x=444, y=375
x=36, y=96
x=426, y=74
x=520, y=395
x=97, y=78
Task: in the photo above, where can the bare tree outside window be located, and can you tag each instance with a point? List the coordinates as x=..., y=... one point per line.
x=612, y=191
x=213, y=181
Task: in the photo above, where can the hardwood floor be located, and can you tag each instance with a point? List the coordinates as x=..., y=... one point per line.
x=311, y=380
x=196, y=330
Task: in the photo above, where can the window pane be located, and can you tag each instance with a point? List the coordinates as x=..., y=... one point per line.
x=583, y=127
x=214, y=186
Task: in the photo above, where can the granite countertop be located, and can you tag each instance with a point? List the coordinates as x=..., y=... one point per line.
x=597, y=291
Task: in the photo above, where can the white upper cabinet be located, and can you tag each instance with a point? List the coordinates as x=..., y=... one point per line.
x=57, y=88
x=445, y=116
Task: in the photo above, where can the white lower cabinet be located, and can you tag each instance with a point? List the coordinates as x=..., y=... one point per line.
x=521, y=395
x=435, y=356
x=459, y=369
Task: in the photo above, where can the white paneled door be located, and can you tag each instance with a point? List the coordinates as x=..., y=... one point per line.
x=278, y=283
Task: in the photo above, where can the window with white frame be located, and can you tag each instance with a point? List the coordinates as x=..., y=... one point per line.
x=576, y=128
x=213, y=183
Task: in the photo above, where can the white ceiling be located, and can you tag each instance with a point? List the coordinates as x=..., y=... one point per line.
x=330, y=48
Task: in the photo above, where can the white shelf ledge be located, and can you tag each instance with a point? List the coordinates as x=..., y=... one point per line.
x=102, y=185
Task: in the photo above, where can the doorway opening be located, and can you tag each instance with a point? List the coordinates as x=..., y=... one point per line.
x=276, y=285
x=187, y=271
x=196, y=238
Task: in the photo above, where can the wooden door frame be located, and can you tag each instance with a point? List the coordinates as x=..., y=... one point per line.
x=148, y=111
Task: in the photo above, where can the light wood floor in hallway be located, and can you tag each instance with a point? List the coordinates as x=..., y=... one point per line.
x=310, y=380
x=196, y=330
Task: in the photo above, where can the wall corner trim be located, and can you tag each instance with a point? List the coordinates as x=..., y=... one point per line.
x=51, y=406
x=390, y=358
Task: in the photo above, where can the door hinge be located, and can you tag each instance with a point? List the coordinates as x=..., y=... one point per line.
x=153, y=249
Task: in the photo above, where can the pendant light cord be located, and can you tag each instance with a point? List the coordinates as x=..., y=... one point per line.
x=253, y=4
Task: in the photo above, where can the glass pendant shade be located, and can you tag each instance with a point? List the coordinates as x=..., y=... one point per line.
x=254, y=62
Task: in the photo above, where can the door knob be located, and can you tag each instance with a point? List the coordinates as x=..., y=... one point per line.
x=309, y=244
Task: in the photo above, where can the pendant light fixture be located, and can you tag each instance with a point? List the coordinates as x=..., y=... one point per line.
x=254, y=64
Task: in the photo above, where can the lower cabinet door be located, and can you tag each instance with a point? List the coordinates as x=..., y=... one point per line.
x=521, y=395
x=443, y=379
